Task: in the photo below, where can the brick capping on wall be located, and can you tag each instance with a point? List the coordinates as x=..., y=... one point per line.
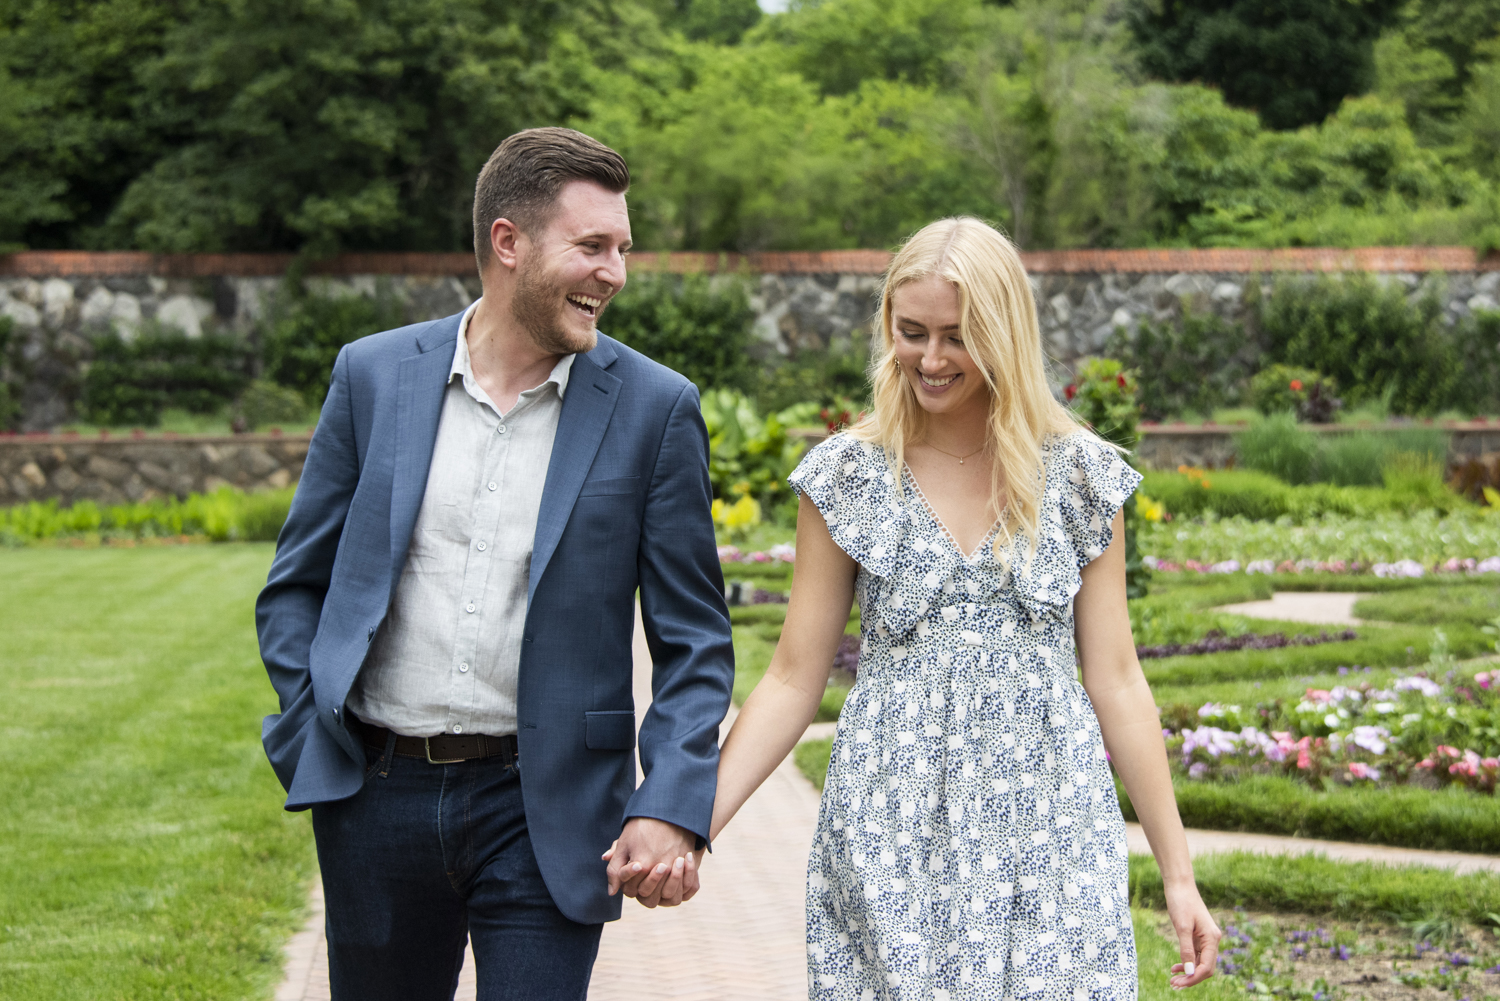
x=78, y=263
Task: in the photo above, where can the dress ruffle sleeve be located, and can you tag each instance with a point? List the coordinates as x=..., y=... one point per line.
x=851, y=484
x=1095, y=483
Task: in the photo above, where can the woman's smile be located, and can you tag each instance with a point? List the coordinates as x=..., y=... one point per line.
x=937, y=383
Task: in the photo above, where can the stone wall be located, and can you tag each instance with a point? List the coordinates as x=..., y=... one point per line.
x=58, y=301
x=119, y=470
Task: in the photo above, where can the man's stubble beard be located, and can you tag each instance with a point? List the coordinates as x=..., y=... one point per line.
x=534, y=308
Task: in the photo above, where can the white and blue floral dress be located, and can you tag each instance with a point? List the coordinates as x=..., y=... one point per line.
x=969, y=843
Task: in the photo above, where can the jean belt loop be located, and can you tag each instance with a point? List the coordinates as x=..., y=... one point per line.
x=389, y=754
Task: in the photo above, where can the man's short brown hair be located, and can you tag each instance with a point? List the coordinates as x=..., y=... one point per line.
x=522, y=178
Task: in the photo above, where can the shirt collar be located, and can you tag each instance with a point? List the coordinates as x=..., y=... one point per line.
x=463, y=368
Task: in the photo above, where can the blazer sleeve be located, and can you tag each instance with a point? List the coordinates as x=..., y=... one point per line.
x=289, y=608
x=686, y=623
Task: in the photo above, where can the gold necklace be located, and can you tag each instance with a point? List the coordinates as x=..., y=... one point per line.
x=950, y=455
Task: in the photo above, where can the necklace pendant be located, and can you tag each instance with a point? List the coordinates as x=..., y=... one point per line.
x=960, y=462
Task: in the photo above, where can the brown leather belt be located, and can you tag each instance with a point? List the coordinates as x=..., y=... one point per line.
x=444, y=749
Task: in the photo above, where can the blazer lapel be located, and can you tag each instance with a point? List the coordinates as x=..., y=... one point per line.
x=592, y=395
x=420, y=384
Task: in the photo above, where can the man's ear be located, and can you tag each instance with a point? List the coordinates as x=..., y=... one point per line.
x=505, y=240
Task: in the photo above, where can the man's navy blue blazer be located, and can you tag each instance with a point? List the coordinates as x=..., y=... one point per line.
x=625, y=507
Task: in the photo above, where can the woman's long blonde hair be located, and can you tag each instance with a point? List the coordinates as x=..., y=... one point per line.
x=999, y=328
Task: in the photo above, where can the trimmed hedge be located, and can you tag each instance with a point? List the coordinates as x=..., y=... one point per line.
x=1311, y=884
x=1406, y=816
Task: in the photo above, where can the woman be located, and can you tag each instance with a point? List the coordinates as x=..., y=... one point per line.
x=969, y=843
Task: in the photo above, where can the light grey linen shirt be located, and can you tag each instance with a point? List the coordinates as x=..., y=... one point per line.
x=447, y=657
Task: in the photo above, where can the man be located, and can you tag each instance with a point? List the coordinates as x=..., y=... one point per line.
x=448, y=619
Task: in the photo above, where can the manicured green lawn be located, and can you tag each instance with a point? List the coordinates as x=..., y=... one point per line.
x=143, y=849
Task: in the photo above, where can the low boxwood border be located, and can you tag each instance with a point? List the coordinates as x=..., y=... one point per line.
x=1409, y=817
x=1313, y=884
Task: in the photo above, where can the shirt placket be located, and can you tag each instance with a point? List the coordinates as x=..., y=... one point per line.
x=484, y=516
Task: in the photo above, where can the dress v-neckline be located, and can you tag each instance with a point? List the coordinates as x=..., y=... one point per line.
x=948, y=536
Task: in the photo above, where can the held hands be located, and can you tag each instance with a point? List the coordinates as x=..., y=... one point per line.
x=1197, y=935
x=654, y=862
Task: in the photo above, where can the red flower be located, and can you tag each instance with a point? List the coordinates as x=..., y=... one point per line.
x=1071, y=391
x=1120, y=379
x=1297, y=385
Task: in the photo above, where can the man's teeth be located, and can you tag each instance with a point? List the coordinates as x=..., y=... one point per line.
x=933, y=381
x=586, y=300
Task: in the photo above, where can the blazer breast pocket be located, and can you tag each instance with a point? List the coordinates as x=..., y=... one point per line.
x=611, y=730
x=605, y=488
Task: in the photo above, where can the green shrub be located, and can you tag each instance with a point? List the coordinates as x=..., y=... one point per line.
x=306, y=331
x=260, y=516
x=1196, y=364
x=1368, y=337
x=1365, y=458
x=1278, y=389
x=1311, y=884
x=749, y=456
x=1247, y=493
x=10, y=377
x=818, y=377
x=694, y=324
x=131, y=382
x=1104, y=394
x=1280, y=446
x=222, y=516
x=1478, y=345
x=1451, y=819
x=265, y=404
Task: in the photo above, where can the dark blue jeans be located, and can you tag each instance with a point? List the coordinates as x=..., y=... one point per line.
x=425, y=856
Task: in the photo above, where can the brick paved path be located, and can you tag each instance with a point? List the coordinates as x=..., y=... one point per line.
x=741, y=938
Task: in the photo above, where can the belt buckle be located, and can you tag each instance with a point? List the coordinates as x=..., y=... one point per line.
x=427, y=746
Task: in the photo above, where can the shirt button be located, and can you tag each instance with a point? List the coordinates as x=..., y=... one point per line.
x=457, y=728
x=469, y=607
x=483, y=547
x=494, y=485
x=463, y=669
x=500, y=429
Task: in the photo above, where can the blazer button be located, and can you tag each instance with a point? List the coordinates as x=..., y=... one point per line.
x=370, y=635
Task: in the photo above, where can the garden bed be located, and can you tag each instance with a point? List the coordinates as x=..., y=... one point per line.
x=1306, y=957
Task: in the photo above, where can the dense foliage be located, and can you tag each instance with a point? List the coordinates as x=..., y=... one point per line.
x=132, y=381
x=222, y=516
x=1196, y=363
x=284, y=124
x=1293, y=60
x=307, y=330
x=693, y=324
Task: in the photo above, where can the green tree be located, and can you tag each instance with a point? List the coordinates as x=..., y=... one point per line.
x=839, y=44
x=281, y=124
x=721, y=21
x=1292, y=61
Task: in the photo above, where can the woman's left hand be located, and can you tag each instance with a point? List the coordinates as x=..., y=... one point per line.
x=1197, y=936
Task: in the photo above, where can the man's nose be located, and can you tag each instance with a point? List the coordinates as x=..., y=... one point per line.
x=612, y=270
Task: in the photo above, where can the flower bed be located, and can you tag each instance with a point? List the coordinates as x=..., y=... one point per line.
x=1215, y=641
x=776, y=554
x=1399, y=544
x=1418, y=730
